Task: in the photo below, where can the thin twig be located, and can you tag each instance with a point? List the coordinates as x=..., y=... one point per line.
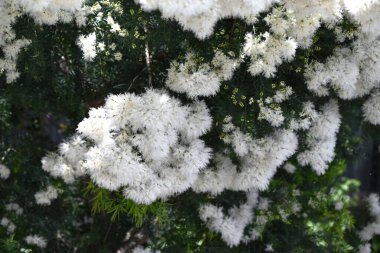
x=135, y=78
x=108, y=231
x=147, y=56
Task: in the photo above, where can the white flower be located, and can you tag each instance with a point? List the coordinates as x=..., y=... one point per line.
x=88, y=45
x=365, y=248
x=4, y=172
x=338, y=205
x=200, y=16
x=273, y=115
x=193, y=79
x=118, y=56
x=36, y=240
x=290, y=168
x=146, y=145
x=267, y=52
x=269, y=248
x=371, y=109
x=45, y=197
x=322, y=139
x=259, y=160
x=231, y=227
x=46, y=12
x=8, y=224
x=14, y=207
x=224, y=66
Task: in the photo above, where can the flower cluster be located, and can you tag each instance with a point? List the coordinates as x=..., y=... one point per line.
x=270, y=109
x=88, y=46
x=43, y=12
x=45, y=197
x=373, y=228
x=4, y=172
x=322, y=139
x=148, y=145
x=200, y=16
x=267, y=52
x=8, y=224
x=200, y=79
x=14, y=207
x=259, y=160
x=371, y=108
x=232, y=226
x=36, y=240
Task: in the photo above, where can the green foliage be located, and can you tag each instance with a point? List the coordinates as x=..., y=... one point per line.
x=117, y=205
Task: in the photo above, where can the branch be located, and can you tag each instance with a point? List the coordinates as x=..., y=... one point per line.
x=147, y=56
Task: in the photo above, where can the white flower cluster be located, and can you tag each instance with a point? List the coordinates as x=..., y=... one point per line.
x=42, y=11
x=302, y=18
x=267, y=52
x=353, y=71
x=373, y=228
x=4, y=172
x=140, y=249
x=14, y=207
x=322, y=139
x=366, y=13
x=270, y=109
x=259, y=160
x=45, y=197
x=230, y=226
x=8, y=224
x=371, y=108
x=36, y=240
x=306, y=117
x=88, y=46
x=254, y=213
x=200, y=79
x=290, y=168
x=200, y=16
x=148, y=145
x=365, y=248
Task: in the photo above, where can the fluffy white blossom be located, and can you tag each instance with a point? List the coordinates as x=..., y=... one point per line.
x=271, y=114
x=224, y=66
x=365, y=248
x=259, y=160
x=266, y=52
x=365, y=12
x=88, y=45
x=200, y=79
x=306, y=117
x=231, y=226
x=140, y=249
x=371, y=109
x=192, y=78
x=42, y=11
x=45, y=197
x=269, y=248
x=352, y=71
x=36, y=240
x=290, y=168
x=283, y=93
x=4, y=172
x=322, y=139
x=200, y=16
x=372, y=228
x=147, y=145
x=305, y=17
x=8, y=224
x=14, y=207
